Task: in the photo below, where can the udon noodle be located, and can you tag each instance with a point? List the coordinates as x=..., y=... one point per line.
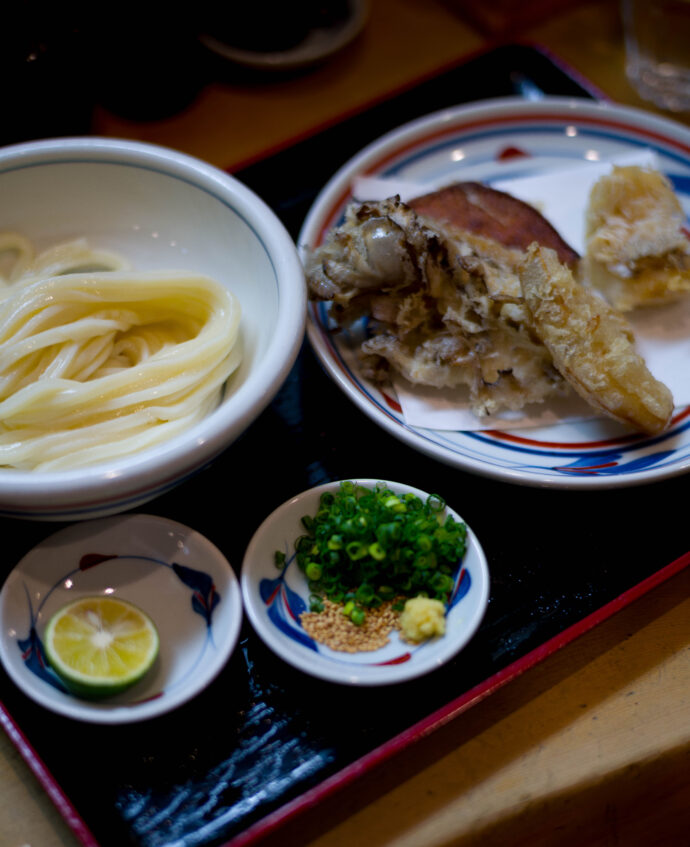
x=98, y=361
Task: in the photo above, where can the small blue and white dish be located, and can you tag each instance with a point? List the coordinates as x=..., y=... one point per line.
x=174, y=574
x=274, y=600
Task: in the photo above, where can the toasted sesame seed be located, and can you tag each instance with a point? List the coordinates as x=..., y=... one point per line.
x=335, y=630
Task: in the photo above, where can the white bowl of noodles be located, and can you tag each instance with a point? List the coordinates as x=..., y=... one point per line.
x=137, y=353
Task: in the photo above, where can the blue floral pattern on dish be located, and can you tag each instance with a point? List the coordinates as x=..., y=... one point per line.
x=284, y=607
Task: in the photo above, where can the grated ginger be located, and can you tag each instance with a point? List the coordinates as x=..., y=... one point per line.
x=422, y=618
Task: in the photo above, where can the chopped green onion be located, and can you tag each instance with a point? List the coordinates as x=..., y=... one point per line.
x=388, y=533
x=423, y=542
x=315, y=603
x=358, y=616
x=376, y=551
x=335, y=542
x=365, y=594
x=360, y=538
x=356, y=550
x=313, y=571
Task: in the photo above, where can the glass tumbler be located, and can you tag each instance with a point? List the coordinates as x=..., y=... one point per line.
x=657, y=45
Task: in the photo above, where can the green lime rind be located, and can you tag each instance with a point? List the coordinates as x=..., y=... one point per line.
x=93, y=690
x=91, y=687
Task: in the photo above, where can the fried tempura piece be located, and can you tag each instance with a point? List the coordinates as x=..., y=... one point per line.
x=636, y=251
x=592, y=345
x=444, y=306
x=482, y=210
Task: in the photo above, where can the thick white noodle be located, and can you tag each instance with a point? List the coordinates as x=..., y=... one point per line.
x=98, y=361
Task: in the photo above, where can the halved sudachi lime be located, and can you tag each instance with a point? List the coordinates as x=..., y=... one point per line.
x=100, y=646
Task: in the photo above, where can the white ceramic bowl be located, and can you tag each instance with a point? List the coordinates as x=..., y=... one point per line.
x=274, y=600
x=162, y=210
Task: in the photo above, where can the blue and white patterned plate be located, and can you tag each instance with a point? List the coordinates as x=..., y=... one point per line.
x=275, y=599
x=505, y=139
x=173, y=573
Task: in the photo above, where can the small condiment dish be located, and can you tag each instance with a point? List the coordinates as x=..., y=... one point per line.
x=274, y=599
x=174, y=574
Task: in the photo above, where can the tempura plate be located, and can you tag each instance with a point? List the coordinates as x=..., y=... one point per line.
x=502, y=139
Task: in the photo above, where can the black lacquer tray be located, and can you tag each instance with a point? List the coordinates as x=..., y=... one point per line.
x=264, y=739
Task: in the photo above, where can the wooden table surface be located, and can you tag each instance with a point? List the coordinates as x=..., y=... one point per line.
x=591, y=746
